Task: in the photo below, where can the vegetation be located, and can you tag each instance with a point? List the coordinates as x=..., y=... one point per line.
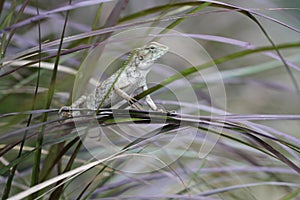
x=232, y=130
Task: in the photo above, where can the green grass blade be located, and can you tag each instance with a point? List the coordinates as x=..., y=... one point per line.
x=37, y=160
x=191, y=70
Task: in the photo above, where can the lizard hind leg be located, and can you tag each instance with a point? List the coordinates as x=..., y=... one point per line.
x=66, y=111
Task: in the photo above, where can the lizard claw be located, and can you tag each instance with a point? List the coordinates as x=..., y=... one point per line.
x=132, y=101
x=135, y=104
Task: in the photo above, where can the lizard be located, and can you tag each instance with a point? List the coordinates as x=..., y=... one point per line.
x=121, y=84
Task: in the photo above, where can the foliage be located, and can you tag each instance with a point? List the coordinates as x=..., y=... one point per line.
x=246, y=150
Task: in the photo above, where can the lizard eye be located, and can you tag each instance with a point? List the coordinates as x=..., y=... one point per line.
x=141, y=58
x=152, y=47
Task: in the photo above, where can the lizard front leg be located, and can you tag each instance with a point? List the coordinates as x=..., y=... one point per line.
x=149, y=101
x=130, y=99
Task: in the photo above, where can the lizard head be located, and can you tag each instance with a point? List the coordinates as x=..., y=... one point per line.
x=146, y=55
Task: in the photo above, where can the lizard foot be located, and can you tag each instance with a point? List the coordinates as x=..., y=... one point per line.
x=65, y=112
x=135, y=104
